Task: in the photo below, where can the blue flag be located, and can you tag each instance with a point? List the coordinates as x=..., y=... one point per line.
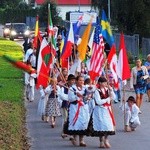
x=106, y=29
x=76, y=28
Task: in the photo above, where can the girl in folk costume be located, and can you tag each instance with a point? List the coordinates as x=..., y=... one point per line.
x=90, y=88
x=52, y=106
x=78, y=116
x=64, y=99
x=131, y=114
x=102, y=119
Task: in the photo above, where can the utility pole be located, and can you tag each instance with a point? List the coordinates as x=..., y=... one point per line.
x=79, y=4
x=109, y=10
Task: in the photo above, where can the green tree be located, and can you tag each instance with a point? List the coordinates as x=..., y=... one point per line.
x=132, y=17
x=9, y=3
x=100, y=4
x=43, y=13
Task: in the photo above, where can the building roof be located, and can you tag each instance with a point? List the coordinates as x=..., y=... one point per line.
x=67, y=2
x=39, y=2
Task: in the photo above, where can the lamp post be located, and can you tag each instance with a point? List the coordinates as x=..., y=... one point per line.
x=79, y=4
x=109, y=10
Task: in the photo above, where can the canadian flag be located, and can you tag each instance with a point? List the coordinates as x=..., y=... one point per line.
x=124, y=72
x=112, y=60
x=43, y=64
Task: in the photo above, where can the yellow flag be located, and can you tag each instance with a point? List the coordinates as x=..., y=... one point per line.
x=85, y=38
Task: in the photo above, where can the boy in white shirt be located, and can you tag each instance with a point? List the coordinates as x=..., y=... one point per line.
x=131, y=114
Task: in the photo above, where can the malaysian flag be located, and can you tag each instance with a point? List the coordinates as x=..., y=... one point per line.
x=97, y=58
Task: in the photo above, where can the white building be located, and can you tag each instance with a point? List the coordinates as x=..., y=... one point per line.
x=68, y=5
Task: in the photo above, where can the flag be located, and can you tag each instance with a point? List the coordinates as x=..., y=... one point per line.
x=82, y=47
x=97, y=58
x=51, y=29
x=62, y=42
x=106, y=29
x=67, y=49
x=112, y=60
x=37, y=37
x=123, y=65
x=19, y=64
x=76, y=28
x=90, y=44
x=43, y=65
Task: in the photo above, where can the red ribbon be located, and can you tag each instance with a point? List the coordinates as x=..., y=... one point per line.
x=80, y=103
x=110, y=112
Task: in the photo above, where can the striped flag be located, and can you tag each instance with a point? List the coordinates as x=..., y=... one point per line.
x=67, y=49
x=97, y=58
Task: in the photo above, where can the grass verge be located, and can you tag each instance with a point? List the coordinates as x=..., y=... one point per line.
x=12, y=111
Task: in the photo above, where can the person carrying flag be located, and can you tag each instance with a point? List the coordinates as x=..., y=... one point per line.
x=102, y=120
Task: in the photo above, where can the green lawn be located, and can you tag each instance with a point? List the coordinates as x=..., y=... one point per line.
x=12, y=111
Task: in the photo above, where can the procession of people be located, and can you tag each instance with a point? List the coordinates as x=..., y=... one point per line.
x=83, y=97
x=86, y=106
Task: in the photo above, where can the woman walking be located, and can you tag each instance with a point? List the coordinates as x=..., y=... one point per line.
x=139, y=74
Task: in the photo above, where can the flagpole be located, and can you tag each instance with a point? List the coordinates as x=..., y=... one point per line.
x=62, y=76
x=79, y=4
x=123, y=101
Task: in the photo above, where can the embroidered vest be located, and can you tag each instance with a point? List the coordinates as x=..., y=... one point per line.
x=103, y=95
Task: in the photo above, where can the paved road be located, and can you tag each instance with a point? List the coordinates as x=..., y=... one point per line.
x=43, y=137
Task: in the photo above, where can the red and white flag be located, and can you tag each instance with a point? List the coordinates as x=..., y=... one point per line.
x=67, y=49
x=112, y=60
x=97, y=58
x=123, y=65
x=43, y=64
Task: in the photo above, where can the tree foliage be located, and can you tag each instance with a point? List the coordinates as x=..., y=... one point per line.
x=43, y=13
x=100, y=4
x=21, y=10
x=130, y=16
x=9, y=3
